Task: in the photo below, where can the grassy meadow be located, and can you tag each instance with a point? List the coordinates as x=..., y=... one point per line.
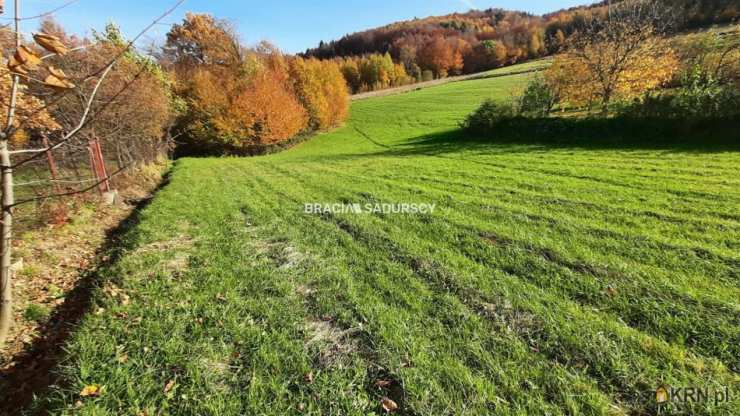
x=563, y=278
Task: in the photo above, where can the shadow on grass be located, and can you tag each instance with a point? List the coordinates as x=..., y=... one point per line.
x=33, y=372
x=708, y=136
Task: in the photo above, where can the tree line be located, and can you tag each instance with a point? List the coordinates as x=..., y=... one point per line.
x=476, y=41
x=239, y=99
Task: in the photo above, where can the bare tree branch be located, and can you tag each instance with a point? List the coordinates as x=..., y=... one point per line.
x=16, y=152
x=85, y=120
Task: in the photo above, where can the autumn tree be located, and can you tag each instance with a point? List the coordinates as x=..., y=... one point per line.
x=201, y=39
x=351, y=72
x=437, y=56
x=486, y=55
x=134, y=126
x=239, y=99
x=232, y=114
x=618, y=55
x=321, y=87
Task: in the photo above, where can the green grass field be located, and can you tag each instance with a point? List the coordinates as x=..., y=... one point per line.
x=550, y=279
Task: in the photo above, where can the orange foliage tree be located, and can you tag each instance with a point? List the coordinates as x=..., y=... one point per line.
x=235, y=113
x=322, y=89
x=439, y=56
x=241, y=98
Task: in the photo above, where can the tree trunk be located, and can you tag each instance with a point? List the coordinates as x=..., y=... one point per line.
x=6, y=273
x=605, y=103
x=8, y=200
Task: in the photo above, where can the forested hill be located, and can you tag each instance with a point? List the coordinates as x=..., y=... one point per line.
x=479, y=40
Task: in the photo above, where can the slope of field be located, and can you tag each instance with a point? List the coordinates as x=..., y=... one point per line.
x=532, y=66
x=549, y=279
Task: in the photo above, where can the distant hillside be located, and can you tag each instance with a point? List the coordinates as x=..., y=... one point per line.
x=490, y=38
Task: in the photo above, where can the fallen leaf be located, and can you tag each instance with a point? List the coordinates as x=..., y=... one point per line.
x=611, y=291
x=168, y=387
x=388, y=405
x=308, y=378
x=91, y=390
x=383, y=383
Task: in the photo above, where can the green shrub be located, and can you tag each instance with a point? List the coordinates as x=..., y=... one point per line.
x=704, y=96
x=537, y=100
x=700, y=97
x=488, y=115
x=661, y=106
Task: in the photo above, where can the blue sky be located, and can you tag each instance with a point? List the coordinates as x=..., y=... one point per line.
x=293, y=25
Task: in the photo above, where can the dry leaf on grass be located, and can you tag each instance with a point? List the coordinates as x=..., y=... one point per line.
x=91, y=390
x=611, y=291
x=169, y=386
x=388, y=405
x=382, y=383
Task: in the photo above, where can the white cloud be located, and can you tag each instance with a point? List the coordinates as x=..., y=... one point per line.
x=468, y=3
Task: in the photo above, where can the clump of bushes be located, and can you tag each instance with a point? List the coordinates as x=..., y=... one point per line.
x=537, y=100
x=700, y=97
x=489, y=115
x=704, y=95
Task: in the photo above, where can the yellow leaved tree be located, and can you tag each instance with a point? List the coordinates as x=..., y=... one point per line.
x=618, y=55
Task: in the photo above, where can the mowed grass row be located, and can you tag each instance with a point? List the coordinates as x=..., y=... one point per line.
x=550, y=279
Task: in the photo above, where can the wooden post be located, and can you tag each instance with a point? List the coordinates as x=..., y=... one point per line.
x=94, y=163
x=101, y=164
x=98, y=165
x=52, y=164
